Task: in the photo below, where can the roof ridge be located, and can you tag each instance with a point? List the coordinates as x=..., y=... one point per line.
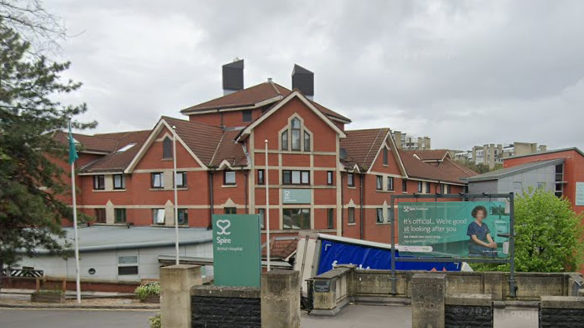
x=217, y=147
x=372, y=145
x=274, y=87
x=191, y=122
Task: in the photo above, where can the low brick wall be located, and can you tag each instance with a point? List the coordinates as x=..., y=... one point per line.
x=469, y=310
x=86, y=285
x=561, y=312
x=225, y=307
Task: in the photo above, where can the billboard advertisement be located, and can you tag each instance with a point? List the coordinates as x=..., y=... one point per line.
x=237, y=253
x=455, y=229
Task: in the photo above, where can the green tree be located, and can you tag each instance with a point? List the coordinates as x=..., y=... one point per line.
x=549, y=235
x=30, y=180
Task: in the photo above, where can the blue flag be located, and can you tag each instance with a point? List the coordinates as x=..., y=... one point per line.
x=72, y=150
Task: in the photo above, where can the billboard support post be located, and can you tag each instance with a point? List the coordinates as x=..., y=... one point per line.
x=510, y=260
x=392, y=228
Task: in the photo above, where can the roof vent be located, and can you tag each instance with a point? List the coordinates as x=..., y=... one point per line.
x=233, y=76
x=303, y=80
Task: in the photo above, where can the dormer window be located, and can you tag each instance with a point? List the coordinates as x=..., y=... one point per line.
x=296, y=137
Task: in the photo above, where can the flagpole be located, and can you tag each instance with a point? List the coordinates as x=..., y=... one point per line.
x=267, y=209
x=73, y=191
x=175, y=195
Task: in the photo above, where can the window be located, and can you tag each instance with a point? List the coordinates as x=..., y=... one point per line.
x=119, y=181
x=158, y=216
x=446, y=189
x=420, y=187
x=389, y=183
x=559, y=180
x=262, y=213
x=541, y=185
x=351, y=215
x=157, y=180
x=385, y=156
x=404, y=185
x=427, y=187
x=120, y=215
x=99, y=182
x=379, y=182
x=167, y=148
x=329, y=178
x=127, y=270
x=183, y=216
x=380, y=215
x=246, y=115
x=295, y=134
x=306, y=141
x=126, y=147
x=296, y=218
x=284, y=140
x=228, y=178
x=295, y=177
x=230, y=210
x=330, y=218
x=261, y=177
x=181, y=179
x=100, y=215
x=350, y=180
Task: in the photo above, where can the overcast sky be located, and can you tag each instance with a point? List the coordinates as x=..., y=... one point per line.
x=462, y=72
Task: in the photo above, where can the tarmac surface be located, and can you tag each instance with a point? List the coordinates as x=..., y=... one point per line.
x=351, y=317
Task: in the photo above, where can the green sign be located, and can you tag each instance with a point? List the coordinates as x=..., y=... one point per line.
x=296, y=196
x=237, y=258
x=454, y=229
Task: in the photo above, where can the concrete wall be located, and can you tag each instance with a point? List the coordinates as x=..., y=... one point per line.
x=106, y=263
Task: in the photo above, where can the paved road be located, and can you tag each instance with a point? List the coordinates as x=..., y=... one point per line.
x=14, y=318
x=351, y=317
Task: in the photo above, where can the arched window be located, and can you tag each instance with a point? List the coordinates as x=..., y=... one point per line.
x=295, y=127
x=167, y=148
x=296, y=137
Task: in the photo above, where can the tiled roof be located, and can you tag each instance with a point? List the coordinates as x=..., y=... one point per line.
x=116, y=160
x=281, y=247
x=210, y=144
x=97, y=143
x=361, y=146
x=252, y=96
x=446, y=171
x=430, y=155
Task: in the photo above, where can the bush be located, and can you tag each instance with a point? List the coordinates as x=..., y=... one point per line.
x=150, y=289
x=548, y=235
x=155, y=321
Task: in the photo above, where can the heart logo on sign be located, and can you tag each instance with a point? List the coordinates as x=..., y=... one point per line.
x=223, y=225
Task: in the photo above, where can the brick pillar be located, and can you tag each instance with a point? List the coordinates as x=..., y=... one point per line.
x=428, y=292
x=175, y=294
x=280, y=292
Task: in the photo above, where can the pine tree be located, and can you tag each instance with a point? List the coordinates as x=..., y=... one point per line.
x=30, y=180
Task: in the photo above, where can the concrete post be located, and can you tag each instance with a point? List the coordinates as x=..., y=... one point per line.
x=280, y=292
x=176, y=282
x=428, y=292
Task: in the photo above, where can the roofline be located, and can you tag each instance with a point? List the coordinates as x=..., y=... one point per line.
x=413, y=178
x=227, y=108
x=514, y=170
x=279, y=105
x=91, y=249
x=549, y=152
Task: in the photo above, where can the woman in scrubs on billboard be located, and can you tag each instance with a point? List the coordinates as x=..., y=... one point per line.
x=481, y=244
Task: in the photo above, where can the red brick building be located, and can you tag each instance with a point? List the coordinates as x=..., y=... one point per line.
x=320, y=176
x=568, y=175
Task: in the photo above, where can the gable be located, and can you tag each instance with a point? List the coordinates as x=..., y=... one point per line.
x=152, y=157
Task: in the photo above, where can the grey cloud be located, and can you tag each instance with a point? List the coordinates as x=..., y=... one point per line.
x=464, y=72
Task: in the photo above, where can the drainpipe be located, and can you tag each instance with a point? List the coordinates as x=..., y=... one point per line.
x=211, y=201
x=362, y=210
x=342, y=186
x=246, y=174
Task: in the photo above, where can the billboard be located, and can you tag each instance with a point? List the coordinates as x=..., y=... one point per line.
x=455, y=229
x=237, y=257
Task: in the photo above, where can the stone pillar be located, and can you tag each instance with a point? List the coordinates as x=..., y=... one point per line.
x=428, y=292
x=494, y=285
x=175, y=294
x=280, y=294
